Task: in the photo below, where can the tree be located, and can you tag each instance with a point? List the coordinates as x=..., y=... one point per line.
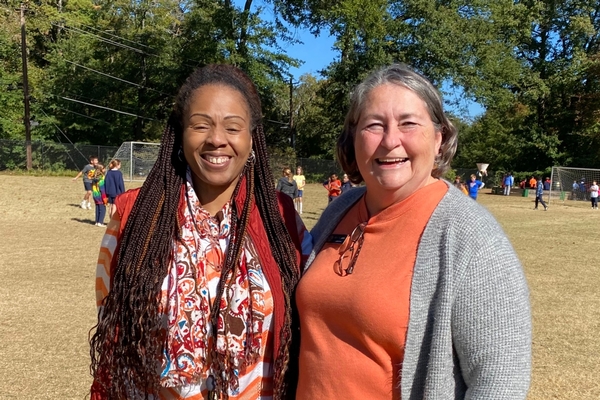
x=11, y=94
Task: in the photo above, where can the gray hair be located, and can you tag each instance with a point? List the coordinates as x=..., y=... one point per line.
x=402, y=75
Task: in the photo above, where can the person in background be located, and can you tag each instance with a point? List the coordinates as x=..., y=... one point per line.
x=509, y=181
x=523, y=183
x=300, y=182
x=88, y=175
x=574, y=191
x=532, y=183
x=333, y=186
x=539, y=194
x=346, y=184
x=583, y=190
x=113, y=182
x=99, y=194
x=198, y=266
x=547, y=184
x=412, y=290
x=287, y=185
x=474, y=186
x=457, y=183
x=594, y=195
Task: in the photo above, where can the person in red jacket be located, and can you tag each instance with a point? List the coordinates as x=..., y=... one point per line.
x=198, y=266
x=333, y=186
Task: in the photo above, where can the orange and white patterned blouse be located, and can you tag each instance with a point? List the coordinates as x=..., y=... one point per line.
x=187, y=295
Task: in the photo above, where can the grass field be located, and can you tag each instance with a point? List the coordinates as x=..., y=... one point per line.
x=48, y=248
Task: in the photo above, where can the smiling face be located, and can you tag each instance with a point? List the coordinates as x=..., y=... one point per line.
x=216, y=139
x=395, y=144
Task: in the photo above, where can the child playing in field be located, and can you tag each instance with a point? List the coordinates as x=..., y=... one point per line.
x=333, y=186
x=88, y=175
x=113, y=182
x=594, y=195
x=474, y=186
x=99, y=195
x=300, y=182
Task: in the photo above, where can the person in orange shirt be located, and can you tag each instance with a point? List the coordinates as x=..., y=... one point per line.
x=333, y=186
x=532, y=183
x=198, y=266
x=412, y=290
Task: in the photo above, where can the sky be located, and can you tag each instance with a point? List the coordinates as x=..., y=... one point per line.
x=316, y=53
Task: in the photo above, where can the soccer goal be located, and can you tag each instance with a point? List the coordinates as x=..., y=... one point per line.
x=572, y=183
x=137, y=159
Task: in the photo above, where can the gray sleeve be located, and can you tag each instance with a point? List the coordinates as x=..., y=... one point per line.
x=491, y=321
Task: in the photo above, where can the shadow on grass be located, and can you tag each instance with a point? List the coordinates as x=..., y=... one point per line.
x=84, y=221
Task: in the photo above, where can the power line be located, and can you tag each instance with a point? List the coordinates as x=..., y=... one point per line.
x=103, y=39
x=107, y=108
x=114, y=77
x=118, y=37
x=64, y=134
x=82, y=115
x=79, y=96
x=195, y=62
x=114, y=43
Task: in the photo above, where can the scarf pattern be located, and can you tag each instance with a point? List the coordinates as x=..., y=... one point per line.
x=188, y=293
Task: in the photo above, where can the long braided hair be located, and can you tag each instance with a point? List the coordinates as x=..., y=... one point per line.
x=127, y=345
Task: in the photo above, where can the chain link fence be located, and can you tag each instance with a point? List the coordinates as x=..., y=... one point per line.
x=52, y=156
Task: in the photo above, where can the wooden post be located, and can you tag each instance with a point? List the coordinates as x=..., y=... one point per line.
x=26, y=119
x=291, y=124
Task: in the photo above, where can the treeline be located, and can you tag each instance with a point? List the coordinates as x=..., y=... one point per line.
x=106, y=71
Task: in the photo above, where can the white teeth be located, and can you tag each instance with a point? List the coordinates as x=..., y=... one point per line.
x=391, y=160
x=217, y=160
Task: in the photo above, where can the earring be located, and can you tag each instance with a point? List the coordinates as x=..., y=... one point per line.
x=180, y=155
x=251, y=157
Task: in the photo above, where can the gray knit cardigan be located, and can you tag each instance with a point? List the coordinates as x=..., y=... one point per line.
x=469, y=331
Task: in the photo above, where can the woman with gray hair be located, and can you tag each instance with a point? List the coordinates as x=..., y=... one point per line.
x=413, y=290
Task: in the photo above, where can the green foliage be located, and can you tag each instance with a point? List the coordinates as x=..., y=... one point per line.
x=106, y=72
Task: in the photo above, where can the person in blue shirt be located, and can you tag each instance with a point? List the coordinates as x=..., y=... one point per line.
x=583, y=190
x=508, y=183
x=539, y=193
x=475, y=186
x=113, y=183
x=346, y=184
x=547, y=184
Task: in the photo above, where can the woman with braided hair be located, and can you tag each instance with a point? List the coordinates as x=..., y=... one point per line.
x=198, y=266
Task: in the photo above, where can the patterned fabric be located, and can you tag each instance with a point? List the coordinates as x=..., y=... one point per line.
x=186, y=375
x=188, y=293
x=98, y=192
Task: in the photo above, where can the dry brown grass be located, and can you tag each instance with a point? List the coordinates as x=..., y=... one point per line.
x=48, y=248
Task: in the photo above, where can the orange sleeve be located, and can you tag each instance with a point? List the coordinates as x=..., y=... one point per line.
x=107, y=250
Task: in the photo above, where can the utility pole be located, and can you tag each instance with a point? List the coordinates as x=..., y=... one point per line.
x=26, y=120
x=291, y=124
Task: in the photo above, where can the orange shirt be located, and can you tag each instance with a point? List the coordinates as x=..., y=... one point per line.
x=353, y=327
x=333, y=187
